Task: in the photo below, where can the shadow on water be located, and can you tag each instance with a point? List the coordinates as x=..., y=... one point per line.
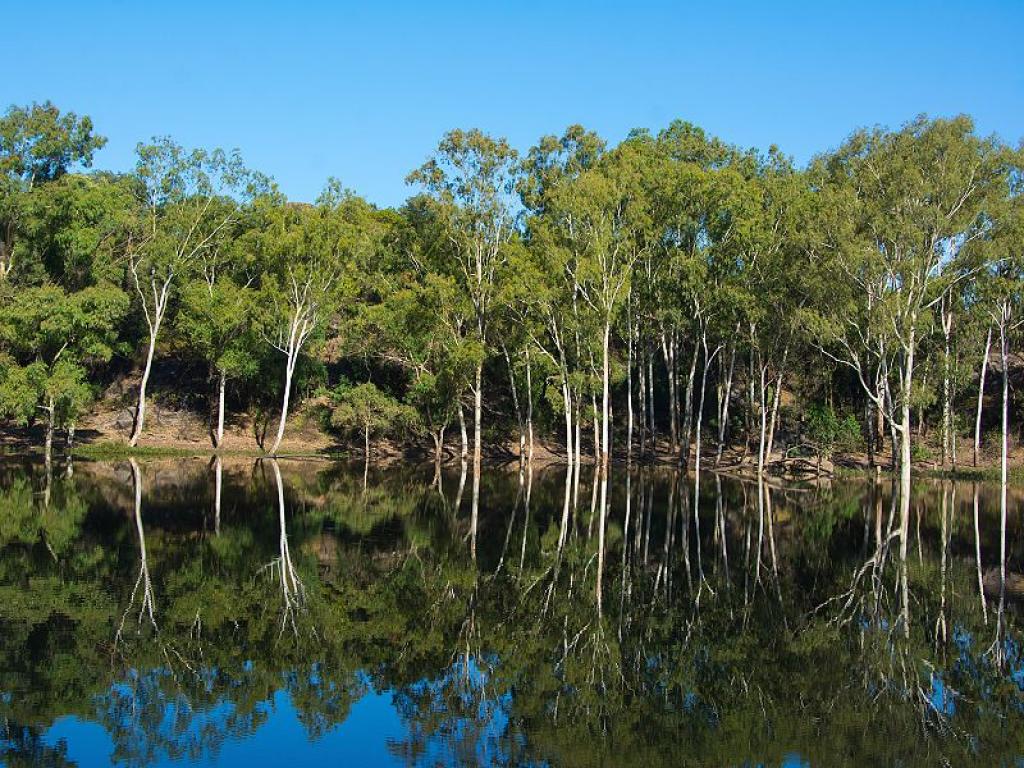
x=228, y=612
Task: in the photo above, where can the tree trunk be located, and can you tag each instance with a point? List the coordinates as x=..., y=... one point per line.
x=140, y=409
x=668, y=351
x=529, y=408
x=723, y=414
x=629, y=391
x=684, y=444
x=650, y=403
x=947, y=412
x=288, y=371
x=776, y=397
x=464, y=452
x=366, y=455
x=220, y=410
x=981, y=396
x=606, y=399
x=567, y=397
x=48, y=449
x=1004, y=355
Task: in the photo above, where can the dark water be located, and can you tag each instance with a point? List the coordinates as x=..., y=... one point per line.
x=142, y=622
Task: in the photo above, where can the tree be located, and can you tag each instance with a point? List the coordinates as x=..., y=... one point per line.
x=190, y=199
x=38, y=144
x=51, y=338
x=471, y=178
x=364, y=409
x=307, y=256
x=215, y=318
x=903, y=205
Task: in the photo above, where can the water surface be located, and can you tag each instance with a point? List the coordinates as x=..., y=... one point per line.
x=180, y=612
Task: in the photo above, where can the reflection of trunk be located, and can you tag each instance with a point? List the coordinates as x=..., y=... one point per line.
x=477, y=448
x=218, y=469
x=940, y=622
x=981, y=396
x=293, y=593
x=526, y=516
x=147, y=606
x=366, y=454
x=564, y=528
x=977, y=557
x=600, y=537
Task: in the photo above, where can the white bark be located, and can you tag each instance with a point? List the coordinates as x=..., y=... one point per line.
x=981, y=395
x=221, y=383
x=154, y=307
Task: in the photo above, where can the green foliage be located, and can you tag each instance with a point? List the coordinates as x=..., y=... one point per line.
x=829, y=433
x=366, y=411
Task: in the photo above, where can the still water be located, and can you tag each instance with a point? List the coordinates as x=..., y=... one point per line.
x=179, y=612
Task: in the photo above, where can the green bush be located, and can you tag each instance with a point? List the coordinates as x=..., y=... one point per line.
x=827, y=432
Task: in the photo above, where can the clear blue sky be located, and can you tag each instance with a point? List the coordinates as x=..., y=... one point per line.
x=364, y=91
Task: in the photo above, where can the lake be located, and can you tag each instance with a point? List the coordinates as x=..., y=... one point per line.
x=194, y=612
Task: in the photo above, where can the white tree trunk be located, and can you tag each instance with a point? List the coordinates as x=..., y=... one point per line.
x=293, y=357
x=723, y=414
x=221, y=384
x=140, y=409
x=605, y=399
x=981, y=395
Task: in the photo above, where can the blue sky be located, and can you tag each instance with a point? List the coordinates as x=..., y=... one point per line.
x=364, y=91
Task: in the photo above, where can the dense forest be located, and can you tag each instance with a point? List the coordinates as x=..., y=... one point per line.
x=671, y=296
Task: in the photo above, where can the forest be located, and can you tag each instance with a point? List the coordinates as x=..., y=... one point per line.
x=672, y=297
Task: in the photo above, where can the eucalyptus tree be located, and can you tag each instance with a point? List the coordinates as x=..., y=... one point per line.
x=471, y=178
x=768, y=224
x=38, y=144
x=300, y=248
x=215, y=319
x=600, y=215
x=190, y=197
x=690, y=223
x=914, y=197
x=366, y=410
x=416, y=319
x=545, y=267
x=1000, y=250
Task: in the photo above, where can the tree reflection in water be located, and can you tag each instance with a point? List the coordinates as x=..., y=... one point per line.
x=735, y=623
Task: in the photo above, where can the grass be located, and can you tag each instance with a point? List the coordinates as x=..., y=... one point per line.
x=112, y=450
